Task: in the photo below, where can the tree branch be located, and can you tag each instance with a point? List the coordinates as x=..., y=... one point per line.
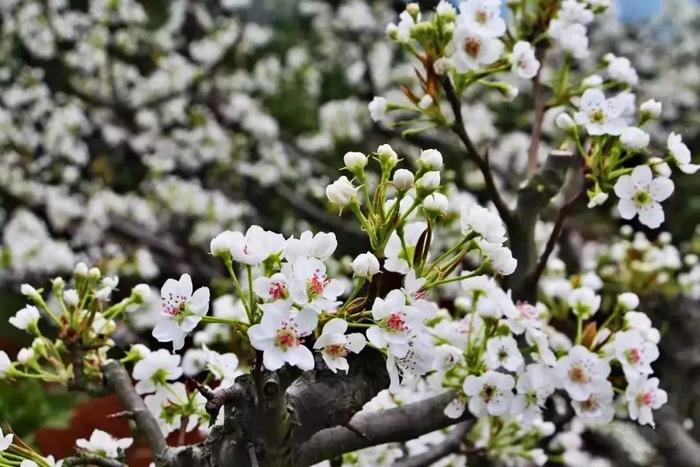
x=120, y=382
x=372, y=429
x=537, y=93
x=533, y=198
x=450, y=445
x=91, y=459
x=481, y=162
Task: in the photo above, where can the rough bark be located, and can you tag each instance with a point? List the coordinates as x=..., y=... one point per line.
x=394, y=425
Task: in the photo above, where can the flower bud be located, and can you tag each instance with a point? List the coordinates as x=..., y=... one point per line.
x=355, y=162
x=387, y=157
x=429, y=182
x=592, y=81
x=341, y=192
x=377, y=108
x=431, y=159
x=502, y=261
x=660, y=167
x=25, y=355
x=103, y=294
x=28, y=290
x=634, y=138
x=58, y=282
x=94, y=273
x=413, y=9
x=598, y=199
x=222, y=243
x=650, y=109
x=71, y=298
x=80, y=269
x=141, y=292
x=403, y=179
x=442, y=66
x=365, y=265
x=628, y=300
x=425, y=102
x=445, y=10
x=565, y=122
x=436, y=204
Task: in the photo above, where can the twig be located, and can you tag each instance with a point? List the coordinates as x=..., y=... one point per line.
x=564, y=211
x=120, y=382
x=537, y=92
x=482, y=163
x=450, y=445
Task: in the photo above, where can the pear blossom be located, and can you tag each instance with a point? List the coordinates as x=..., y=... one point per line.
x=396, y=260
x=310, y=286
x=483, y=222
x=620, y=69
x=564, y=121
x=482, y=16
x=634, y=138
x=584, y=301
x=502, y=260
x=431, y=159
x=403, y=179
x=26, y=318
x=580, y=371
x=341, y=192
x=502, y=351
x=429, y=182
x=365, y=265
x=224, y=367
x=181, y=310
x=416, y=362
x=535, y=384
x=222, y=243
x=5, y=440
x=599, y=115
x=280, y=336
x=104, y=444
x=355, y=161
x=573, y=11
x=275, y=287
x=527, y=317
x=377, y=108
x=525, y=63
x=335, y=344
x=680, y=154
x=474, y=50
x=435, y=204
x=571, y=37
x=490, y=393
x=413, y=290
x=635, y=353
x=651, y=108
x=156, y=369
x=320, y=246
x=628, y=300
x=598, y=406
x=396, y=323
x=640, y=193
x=641, y=323
x=256, y=245
x=644, y=395
x=5, y=364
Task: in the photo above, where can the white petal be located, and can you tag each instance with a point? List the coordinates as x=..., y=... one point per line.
x=624, y=188
x=301, y=357
x=335, y=326
x=661, y=188
x=641, y=176
x=355, y=343
x=626, y=208
x=273, y=358
x=652, y=215
x=185, y=285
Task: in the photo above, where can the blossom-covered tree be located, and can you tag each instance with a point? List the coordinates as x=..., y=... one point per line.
x=464, y=327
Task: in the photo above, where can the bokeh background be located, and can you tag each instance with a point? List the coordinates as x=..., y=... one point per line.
x=132, y=131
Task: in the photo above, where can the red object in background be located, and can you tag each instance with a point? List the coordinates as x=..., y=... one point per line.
x=94, y=414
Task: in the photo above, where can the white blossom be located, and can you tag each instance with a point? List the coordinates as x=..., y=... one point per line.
x=641, y=194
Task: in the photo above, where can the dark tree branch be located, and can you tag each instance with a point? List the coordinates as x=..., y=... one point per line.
x=672, y=440
x=393, y=425
x=450, y=445
x=481, y=162
x=91, y=459
x=120, y=382
x=533, y=198
x=537, y=93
